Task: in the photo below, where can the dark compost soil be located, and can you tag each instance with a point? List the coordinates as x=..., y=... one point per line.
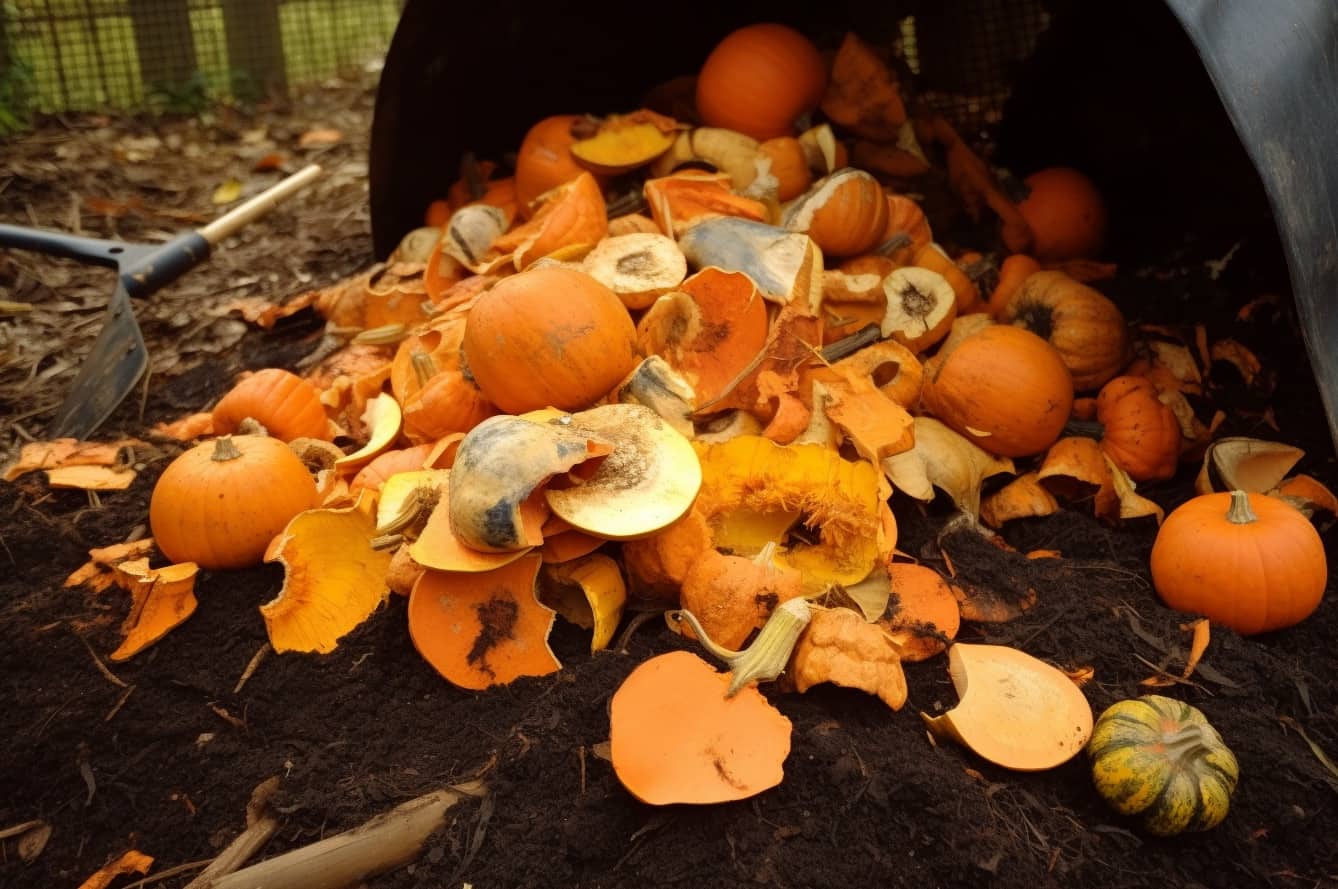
x=165, y=759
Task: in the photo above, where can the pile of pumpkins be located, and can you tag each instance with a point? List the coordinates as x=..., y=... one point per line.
x=735, y=277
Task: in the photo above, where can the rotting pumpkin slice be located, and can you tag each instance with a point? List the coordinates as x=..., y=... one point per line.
x=646, y=483
x=590, y=592
x=786, y=266
x=500, y=463
x=440, y=548
x=922, y=615
x=483, y=629
x=840, y=647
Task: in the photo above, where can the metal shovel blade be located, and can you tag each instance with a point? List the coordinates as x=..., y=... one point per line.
x=117, y=361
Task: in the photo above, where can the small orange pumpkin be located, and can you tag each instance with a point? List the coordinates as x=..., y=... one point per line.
x=1065, y=212
x=759, y=79
x=548, y=337
x=789, y=165
x=844, y=213
x=286, y=405
x=1140, y=434
x=1004, y=388
x=220, y=503
x=1247, y=561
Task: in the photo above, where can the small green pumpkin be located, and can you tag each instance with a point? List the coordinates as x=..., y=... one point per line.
x=1159, y=759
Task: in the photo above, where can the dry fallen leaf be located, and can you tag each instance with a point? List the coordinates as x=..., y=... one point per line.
x=227, y=192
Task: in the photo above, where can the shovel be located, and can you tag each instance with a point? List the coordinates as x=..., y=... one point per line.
x=119, y=358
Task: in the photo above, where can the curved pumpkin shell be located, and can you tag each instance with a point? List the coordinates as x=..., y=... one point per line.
x=548, y=337
x=545, y=161
x=1247, y=561
x=1160, y=759
x=221, y=503
x=1140, y=434
x=1087, y=328
x=286, y=405
x=1002, y=387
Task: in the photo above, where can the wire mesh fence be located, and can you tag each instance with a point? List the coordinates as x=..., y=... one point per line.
x=86, y=55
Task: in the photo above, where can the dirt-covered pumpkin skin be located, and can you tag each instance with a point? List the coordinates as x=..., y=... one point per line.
x=1159, y=759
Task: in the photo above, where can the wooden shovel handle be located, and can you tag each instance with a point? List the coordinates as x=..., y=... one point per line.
x=258, y=206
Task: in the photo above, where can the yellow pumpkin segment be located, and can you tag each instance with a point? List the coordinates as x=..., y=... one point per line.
x=647, y=481
x=842, y=648
x=383, y=419
x=676, y=738
x=1015, y=710
x=483, y=629
x=333, y=579
x=604, y=593
x=161, y=599
x=625, y=142
x=750, y=479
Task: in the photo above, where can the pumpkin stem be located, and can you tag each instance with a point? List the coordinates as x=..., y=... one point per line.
x=1036, y=317
x=1240, y=513
x=851, y=343
x=423, y=367
x=893, y=244
x=224, y=450
x=770, y=652
x=1186, y=743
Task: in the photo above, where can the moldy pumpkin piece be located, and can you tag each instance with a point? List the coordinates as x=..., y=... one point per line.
x=842, y=648
x=500, y=463
x=645, y=483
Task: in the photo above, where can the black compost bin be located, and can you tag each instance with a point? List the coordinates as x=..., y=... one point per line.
x=1211, y=119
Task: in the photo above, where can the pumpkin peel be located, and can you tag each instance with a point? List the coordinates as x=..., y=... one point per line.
x=440, y=548
x=333, y=578
x=383, y=419
x=161, y=600
x=603, y=592
x=840, y=647
x=1014, y=710
x=922, y=617
x=675, y=736
x=485, y=629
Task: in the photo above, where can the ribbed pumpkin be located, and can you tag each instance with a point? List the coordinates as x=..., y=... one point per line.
x=1003, y=387
x=759, y=79
x=286, y=405
x=1159, y=759
x=844, y=213
x=1247, y=561
x=548, y=337
x=1139, y=433
x=1087, y=328
x=221, y=503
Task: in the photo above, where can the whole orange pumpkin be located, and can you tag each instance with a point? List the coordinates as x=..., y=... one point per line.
x=286, y=405
x=221, y=503
x=1140, y=434
x=548, y=337
x=1247, y=561
x=759, y=79
x=1003, y=387
x=1065, y=212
